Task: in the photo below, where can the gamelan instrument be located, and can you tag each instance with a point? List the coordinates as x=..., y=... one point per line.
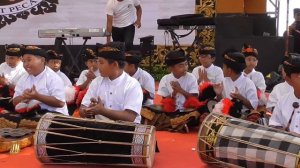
x=231, y=142
x=66, y=140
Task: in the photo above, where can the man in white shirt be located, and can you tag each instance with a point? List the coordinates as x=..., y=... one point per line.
x=133, y=59
x=207, y=71
x=122, y=17
x=114, y=95
x=286, y=114
x=236, y=85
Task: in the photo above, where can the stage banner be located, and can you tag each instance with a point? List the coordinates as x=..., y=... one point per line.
x=20, y=20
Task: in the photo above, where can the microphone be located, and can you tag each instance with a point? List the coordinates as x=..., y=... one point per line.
x=295, y=106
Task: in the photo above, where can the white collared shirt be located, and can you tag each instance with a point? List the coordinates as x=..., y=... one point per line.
x=64, y=77
x=147, y=82
x=245, y=87
x=82, y=77
x=187, y=82
x=123, y=12
x=214, y=73
x=258, y=79
x=283, y=112
x=122, y=93
x=278, y=91
x=46, y=83
x=12, y=74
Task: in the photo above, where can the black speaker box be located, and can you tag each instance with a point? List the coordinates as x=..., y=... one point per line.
x=270, y=49
x=147, y=45
x=263, y=25
x=233, y=26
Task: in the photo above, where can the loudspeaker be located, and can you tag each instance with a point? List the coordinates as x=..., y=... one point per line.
x=270, y=49
x=147, y=45
x=263, y=25
x=234, y=26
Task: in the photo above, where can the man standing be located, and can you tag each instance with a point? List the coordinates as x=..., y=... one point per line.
x=122, y=17
x=295, y=30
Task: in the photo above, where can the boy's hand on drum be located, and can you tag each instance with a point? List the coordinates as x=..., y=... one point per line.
x=94, y=102
x=95, y=107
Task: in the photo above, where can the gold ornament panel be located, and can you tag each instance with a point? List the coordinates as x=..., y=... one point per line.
x=207, y=8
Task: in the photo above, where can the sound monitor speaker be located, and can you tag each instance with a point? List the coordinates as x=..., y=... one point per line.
x=147, y=45
x=234, y=26
x=270, y=49
x=263, y=25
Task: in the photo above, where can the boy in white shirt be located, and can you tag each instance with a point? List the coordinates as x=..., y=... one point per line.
x=39, y=88
x=251, y=58
x=236, y=85
x=278, y=91
x=114, y=95
x=286, y=114
x=179, y=84
x=12, y=69
x=10, y=72
x=207, y=71
x=86, y=76
x=54, y=62
x=133, y=59
x=176, y=88
x=207, y=74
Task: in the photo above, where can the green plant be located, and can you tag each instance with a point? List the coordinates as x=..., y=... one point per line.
x=157, y=71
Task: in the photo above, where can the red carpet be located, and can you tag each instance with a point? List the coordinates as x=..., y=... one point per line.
x=176, y=151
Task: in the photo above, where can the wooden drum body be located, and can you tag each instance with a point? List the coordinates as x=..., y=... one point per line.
x=66, y=140
x=228, y=141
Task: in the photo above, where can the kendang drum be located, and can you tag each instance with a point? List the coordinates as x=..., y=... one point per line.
x=66, y=140
x=231, y=142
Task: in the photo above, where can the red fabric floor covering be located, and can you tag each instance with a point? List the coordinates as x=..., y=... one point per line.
x=176, y=151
